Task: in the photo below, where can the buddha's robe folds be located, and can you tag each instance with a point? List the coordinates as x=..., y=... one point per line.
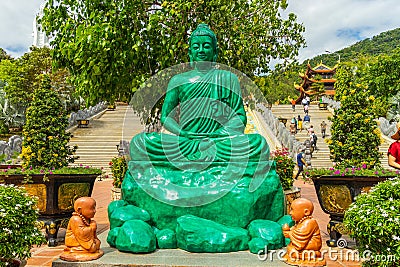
x=214, y=159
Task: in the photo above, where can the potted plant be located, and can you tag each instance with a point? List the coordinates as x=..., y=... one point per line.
x=18, y=220
x=284, y=168
x=46, y=155
x=119, y=166
x=374, y=221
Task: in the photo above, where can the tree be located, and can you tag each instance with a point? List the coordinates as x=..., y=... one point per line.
x=4, y=55
x=45, y=137
x=355, y=139
x=22, y=76
x=111, y=47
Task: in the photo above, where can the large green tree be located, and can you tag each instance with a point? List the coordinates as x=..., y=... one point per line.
x=22, y=76
x=111, y=47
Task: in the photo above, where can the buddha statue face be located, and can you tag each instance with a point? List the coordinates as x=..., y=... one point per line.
x=203, y=45
x=201, y=49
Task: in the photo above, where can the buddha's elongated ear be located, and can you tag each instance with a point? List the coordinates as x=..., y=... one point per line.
x=215, y=55
x=191, y=63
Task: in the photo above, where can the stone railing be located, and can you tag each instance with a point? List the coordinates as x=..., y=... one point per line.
x=86, y=113
x=331, y=103
x=14, y=144
x=283, y=135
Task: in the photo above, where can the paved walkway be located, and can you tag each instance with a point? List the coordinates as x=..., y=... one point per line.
x=44, y=255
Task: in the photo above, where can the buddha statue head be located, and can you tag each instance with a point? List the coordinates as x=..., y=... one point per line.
x=203, y=45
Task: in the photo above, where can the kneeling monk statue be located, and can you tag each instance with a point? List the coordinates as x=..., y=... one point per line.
x=81, y=238
x=305, y=244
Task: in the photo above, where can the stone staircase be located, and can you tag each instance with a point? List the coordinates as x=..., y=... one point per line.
x=320, y=158
x=97, y=144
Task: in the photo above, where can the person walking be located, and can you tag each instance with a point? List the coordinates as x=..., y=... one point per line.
x=300, y=123
x=301, y=162
x=306, y=109
x=293, y=102
x=306, y=121
x=323, y=129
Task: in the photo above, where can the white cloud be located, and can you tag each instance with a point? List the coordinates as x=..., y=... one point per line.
x=333, y=25
x=16, y=20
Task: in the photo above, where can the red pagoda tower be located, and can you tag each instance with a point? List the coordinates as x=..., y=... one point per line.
x=315, y=78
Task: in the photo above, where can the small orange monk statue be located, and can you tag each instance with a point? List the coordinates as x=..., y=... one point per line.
x=81, y=238
x=305, y=244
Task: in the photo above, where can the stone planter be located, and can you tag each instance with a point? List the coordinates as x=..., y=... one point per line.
x=323, y=106
x=56, y=196
x=335, y=194
x=116, y=194
x=290, y=196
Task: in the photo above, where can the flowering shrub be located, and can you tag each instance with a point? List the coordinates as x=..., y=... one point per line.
x=45, y=142
x=354, y=171
x=284, y=167
x=119, y=167
x=18, y=224
x=374, y=221
x=355, y=136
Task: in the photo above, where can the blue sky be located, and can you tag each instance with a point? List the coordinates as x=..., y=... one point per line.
x=330, y=24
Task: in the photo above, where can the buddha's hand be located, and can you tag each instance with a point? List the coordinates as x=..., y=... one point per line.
x=286, y=230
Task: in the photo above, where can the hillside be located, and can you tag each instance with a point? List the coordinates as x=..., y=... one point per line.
x=279, y=85
x=384, y=43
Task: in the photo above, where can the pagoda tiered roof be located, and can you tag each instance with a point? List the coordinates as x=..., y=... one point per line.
x=309, y=78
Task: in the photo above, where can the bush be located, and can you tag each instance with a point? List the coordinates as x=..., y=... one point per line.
x=355, y=135
x=19, y=226
x=374, y=221
x=284, y=167
x=45, y=138
x=119, y=166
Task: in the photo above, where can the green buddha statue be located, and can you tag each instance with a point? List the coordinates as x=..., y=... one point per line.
x=204, y=165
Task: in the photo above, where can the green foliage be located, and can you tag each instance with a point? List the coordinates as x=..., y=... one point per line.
x=18, y=220
x=355, y=171
x=284, y=167
x=45, y=142
x=119, y=166
x=374, y=221
x=111, y=47
x=355, y=137
x=63, y=170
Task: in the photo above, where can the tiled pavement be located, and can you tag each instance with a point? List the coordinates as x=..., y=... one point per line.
x=44, y=255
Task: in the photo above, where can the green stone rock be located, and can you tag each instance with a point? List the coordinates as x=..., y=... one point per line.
x=112, y=236
x=166, y=238
x=115, y=204
x=270, y=231
x=120, y=215
x=196, y=234
x=136, y=236
x=286, y=219
x=236, y=207
x=258, y=244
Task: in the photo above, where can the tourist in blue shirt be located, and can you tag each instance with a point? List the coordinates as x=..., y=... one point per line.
x=300, y=163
